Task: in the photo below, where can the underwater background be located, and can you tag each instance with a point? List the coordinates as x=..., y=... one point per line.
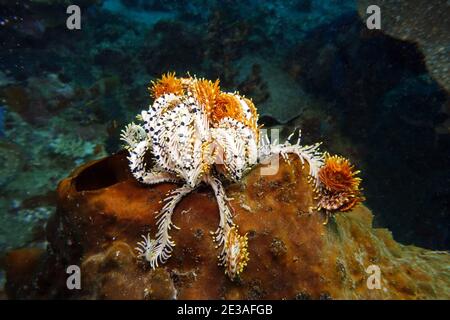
x=380, y=97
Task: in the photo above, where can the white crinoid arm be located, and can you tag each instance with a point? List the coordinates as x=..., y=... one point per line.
x=309, y=153
x=226, y=217
x=180, y=141
x=132, y=135
x=138, y=142
x=238, y=146
x=138, y=168
x=164, y=243
x=146, y=247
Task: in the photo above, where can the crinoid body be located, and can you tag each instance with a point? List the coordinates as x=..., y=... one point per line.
x=196, y=134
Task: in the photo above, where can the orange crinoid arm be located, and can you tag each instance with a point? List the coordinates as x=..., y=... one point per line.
x=167, y=84
x=207, y=93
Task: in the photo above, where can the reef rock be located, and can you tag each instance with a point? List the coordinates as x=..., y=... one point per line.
x=423, y=22
x=294, y=254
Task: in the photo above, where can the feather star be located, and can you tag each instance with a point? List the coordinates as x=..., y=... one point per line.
x=196, y=134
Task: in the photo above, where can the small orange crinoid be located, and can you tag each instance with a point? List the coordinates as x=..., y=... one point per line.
x=337, y=174
x=340, y=185
x=167, y=84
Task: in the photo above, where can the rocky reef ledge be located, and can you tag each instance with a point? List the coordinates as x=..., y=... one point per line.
x=102, y=213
